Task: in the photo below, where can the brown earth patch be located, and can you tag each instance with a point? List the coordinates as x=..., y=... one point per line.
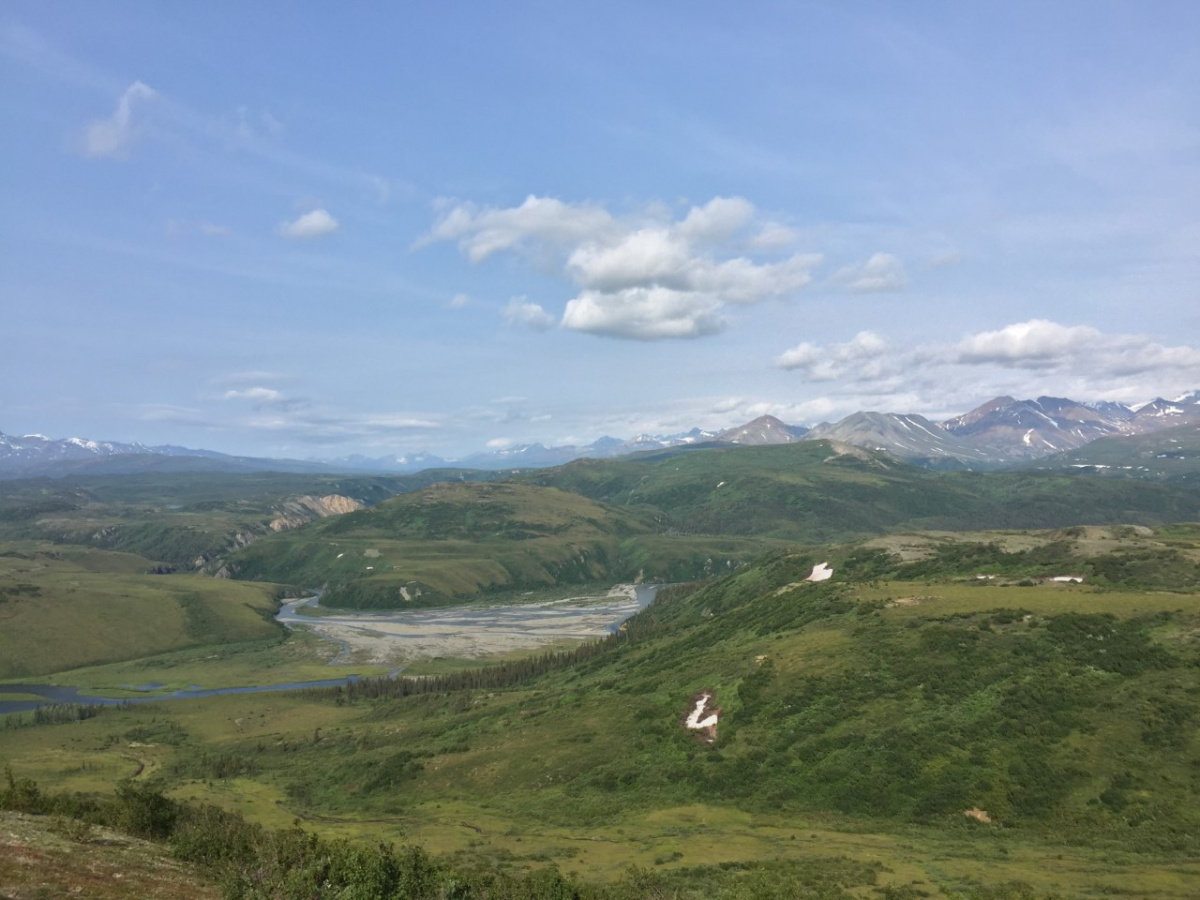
x=37, y=862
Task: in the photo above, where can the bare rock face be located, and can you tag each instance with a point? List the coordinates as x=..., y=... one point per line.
x=1027, y=429
x=290, y=514
x=301, y=510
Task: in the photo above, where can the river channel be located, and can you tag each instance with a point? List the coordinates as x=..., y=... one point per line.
x=398, y=637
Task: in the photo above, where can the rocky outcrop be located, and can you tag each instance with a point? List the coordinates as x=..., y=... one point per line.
x=290, y=514
x=302, y=510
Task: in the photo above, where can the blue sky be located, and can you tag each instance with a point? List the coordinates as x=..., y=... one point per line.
x=308, y=230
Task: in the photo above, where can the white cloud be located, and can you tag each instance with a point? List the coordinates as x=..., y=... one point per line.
x=1025, y=359
x=1042, y=345
x=111, y=137
x=395, y=420
x=882, y=272
x=774, y=236
x=857, y=358
x=1034, y=344
x=259, y=394
x=306, y=424
x=646, y=256
x=646, y=276
x=317, y=223
x=522, y=312
x=458, y=301
x=718, y=220
x=644, y=313
x=482, y=232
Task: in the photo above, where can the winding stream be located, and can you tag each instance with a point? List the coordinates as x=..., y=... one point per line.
x=388, y=636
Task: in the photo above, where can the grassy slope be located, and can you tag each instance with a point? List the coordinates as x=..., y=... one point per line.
x=1171, y=456
x=176, y=517
x=668, y=516
x=813, y=491
x=860, y=717
x=62, y=607
x=455, y=540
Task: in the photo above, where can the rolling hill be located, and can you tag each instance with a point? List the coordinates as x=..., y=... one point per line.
x=1171, y=456
x=1005, y=737
x=668, y=515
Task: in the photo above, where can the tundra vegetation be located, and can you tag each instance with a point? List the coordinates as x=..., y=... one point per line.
x=940, y=718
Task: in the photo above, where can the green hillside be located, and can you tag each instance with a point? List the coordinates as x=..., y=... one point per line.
x=815, y=491
x=176, y=518
x=665, y=517
x=1171, y=456
x=63, y=607
x=456, y=540
x=950, y=731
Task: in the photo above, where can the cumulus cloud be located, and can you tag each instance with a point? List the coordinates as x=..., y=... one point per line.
x=111, y=137
x=646, y=276
x=1039, y=357
x=1035, y=344
x=856, y=357
x=1040, y=344
x=773, y=236
x=882, y=272
x=644, y=313
x=718, y=220
x=458, y=301
x=315, y=224
x=483, y=232
x=522, y=312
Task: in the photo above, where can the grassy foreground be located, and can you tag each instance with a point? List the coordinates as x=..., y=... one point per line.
x=930, y=732
x=62, y=607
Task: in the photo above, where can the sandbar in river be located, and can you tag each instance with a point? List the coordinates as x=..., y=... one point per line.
x=468, y=632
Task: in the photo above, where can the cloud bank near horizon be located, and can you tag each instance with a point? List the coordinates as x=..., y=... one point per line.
x=1025, y=358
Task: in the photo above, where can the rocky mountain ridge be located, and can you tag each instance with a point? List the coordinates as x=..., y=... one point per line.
x=1002, y=431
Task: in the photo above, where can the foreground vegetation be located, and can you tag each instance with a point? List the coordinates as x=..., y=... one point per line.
x=934, y=732
x=941, y=718
x=249, y=861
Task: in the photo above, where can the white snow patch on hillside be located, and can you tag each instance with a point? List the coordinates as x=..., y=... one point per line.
x=820, y=572
x=694, y=721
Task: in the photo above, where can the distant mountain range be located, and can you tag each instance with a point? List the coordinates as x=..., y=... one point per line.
x=1003, y=431
x=34, y=455
x=528, y=456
